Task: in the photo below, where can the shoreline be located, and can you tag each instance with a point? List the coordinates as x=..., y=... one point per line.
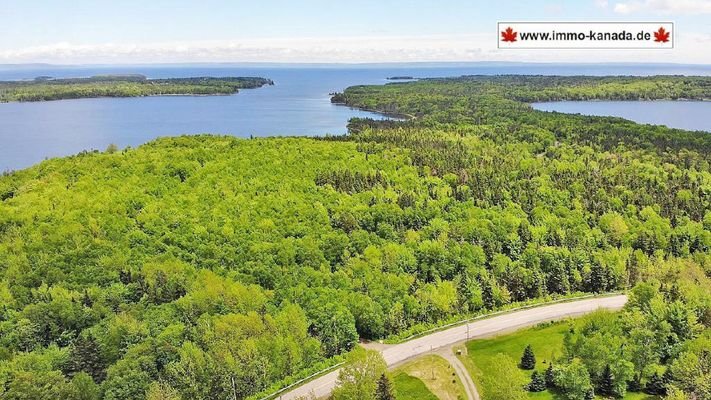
x=402, y=116
x=127, y=87
x=124, y=97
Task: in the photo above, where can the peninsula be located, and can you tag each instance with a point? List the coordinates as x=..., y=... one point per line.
x=47, y=88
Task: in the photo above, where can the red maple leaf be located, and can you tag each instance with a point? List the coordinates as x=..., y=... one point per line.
x=661, y=36
x=509, y=35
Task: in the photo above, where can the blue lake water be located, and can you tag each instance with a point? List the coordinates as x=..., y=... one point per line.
x=298, y=104
x=689, y=115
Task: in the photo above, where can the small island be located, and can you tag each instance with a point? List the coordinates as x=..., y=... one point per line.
x=400, y=78
x=47, y=88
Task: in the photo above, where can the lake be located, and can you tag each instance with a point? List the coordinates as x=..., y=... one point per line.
x=690, y=115
x=298, y=103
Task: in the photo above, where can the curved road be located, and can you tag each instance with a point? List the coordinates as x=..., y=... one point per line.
x=396, y=354
x=461, y=371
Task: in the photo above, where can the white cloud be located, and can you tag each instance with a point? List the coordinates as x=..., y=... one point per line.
x=601, y=4
x=665, y=7
x=347, y=49
x=627, y=8
x=554, y=9
x=474, y=47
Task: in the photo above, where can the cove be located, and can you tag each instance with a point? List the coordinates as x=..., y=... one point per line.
x=688, y=115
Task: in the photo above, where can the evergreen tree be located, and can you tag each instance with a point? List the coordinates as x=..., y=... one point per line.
x=85, y=356
x=550, y=376
x=568, y=345
x=667, y=377
x=537, y=384
x=86, y=299
x=635, y=385
x=524, y=232
x=598, y=278
x=487, y=295
x=528, y=359
x=384, y=391
x=607, y=382
x=590, y=394
x=465, y=292
x=656, y=385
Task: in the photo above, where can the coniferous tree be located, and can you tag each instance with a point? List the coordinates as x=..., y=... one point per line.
x=550, y=376
x=487, y=295
x=568, y=345
x=85, y=356
x=384, y=391
x=528, y=359
x=635, y=385
x=86, y=299
x=667, y=377
x=607, y=382
x=537, y=384
x=656, y=385
x=590, y=394
x=598, y=279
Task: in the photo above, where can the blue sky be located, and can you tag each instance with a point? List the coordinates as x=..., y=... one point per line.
x=83, y=31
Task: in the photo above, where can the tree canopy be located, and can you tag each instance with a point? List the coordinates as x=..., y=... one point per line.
x=211, y=267
x=43, y=89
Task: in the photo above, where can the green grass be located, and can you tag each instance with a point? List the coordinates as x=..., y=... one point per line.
x=639, y=396
x=547, y=343
x=437, y=375
x=408, y=387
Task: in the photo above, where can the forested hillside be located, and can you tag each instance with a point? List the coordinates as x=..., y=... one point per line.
x=495, y=107
x=210, y=267
x=43, y=89
x=497, y=150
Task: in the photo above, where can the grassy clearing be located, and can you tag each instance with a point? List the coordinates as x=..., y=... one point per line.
x=547, y=343
x=436, y=374
x=408, y=387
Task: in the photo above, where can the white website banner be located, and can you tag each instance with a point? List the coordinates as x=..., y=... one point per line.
x=585, y=35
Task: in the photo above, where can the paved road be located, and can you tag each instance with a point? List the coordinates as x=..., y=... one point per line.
x=396, y=354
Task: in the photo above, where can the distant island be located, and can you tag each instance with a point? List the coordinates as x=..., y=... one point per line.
x=400, y=78
x=46, y=88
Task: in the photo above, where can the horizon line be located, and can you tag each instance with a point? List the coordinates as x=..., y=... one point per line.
x=490, y=62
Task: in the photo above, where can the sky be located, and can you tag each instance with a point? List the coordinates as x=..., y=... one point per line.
x=162, y=31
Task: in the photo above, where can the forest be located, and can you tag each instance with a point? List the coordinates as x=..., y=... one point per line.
x=46, y=88
x=656, y=347
x=211, y=267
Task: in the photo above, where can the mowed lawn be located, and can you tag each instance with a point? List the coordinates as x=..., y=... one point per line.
x=427, y=377
x=547, y=343
x=409, y=387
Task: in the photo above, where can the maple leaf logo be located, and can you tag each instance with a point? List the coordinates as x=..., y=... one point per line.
x=661, y=36
x=509, y=35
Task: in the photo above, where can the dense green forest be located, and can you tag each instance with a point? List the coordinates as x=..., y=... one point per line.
x=656, y=347
x=43, y=89
x=209, y=267
x=659, y=345
x=495, y=108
